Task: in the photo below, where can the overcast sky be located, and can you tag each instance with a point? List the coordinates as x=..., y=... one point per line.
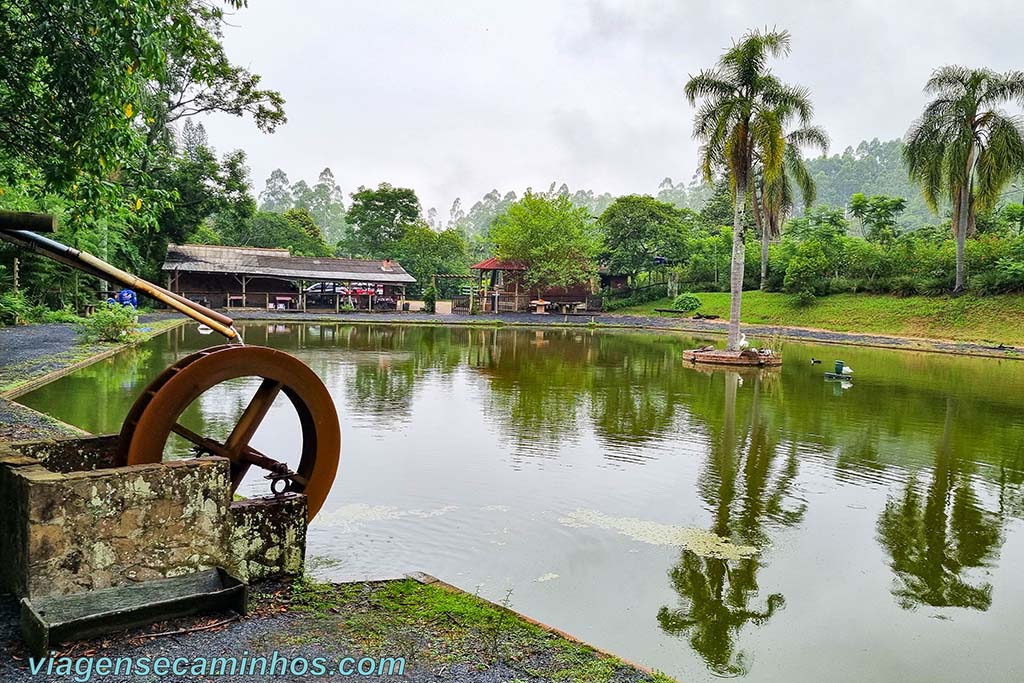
x=454, y=98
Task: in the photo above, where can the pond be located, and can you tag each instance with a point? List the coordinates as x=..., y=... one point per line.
x=768, y=525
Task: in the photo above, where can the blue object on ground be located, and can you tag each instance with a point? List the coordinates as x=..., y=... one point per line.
x=127, y=297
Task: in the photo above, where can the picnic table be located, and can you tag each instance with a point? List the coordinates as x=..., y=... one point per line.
x=541, y=306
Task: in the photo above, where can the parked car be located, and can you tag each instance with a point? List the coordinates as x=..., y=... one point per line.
x=327, y=288
x=323, y=293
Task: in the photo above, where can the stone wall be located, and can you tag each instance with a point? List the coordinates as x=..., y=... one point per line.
x=268, y=536
x=66, y=531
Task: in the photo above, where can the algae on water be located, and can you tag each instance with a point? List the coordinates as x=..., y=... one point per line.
x=697, y=541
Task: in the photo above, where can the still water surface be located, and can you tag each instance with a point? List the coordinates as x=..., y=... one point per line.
x=602, y=487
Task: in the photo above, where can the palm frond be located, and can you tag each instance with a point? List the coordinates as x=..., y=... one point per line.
x=709, y=84
x=1005, y=87
x=1000, y=160
x=798, y=171
x=814, y=137
x=767, y=137
x=953, y=79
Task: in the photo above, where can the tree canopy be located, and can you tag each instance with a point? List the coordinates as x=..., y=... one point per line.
x=380, y=216
x=556, y=240
x=636, y=229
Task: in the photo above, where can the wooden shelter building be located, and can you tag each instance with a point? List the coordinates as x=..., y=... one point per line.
x=273, y=279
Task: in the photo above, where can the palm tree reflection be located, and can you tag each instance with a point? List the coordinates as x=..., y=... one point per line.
x=748, y=492
x=935, y=539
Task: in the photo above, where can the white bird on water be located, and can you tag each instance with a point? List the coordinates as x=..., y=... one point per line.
x=847, y=370
x=743, y=341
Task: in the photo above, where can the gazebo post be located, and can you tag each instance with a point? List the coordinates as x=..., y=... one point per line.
x=302, y=295
x=337, y=299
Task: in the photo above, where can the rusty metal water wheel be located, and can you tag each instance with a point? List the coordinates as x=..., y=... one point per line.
x=155, y=414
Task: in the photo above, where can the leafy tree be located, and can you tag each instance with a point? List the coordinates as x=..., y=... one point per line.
x=430, y=298
x=324, y=202
x=455, y=214
x=822, y=223
x=90, y=95
x=424, y=252
x=878, y=214
x=963, y=148
x=555, y=240
x=91, y=59
x=294, y=230
x=807, y=272
x=672, y=193
x=194, y=140
x=303, y=220
x=380, y=216
x=741, y=99
x=636, y=229
x=719, y=208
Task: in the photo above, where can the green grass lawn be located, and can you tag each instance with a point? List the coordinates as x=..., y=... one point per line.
x=995, y=319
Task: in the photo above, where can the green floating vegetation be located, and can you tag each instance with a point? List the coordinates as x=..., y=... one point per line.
x=432, y=625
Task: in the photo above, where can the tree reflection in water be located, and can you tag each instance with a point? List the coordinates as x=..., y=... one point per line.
x=748, y=492
x=934, y=540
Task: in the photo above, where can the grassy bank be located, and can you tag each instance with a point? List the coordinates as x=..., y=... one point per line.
x=438, y=628
x=990, y=319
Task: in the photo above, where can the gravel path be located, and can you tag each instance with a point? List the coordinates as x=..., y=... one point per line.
x=651, y=322
x=271, y=626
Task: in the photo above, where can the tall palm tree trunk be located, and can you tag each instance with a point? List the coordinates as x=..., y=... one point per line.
x=764, y=258
x=761, y=219
x=962, y=222
x=736, y=273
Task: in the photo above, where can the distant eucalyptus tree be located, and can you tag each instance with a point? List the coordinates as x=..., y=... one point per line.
x=963, y=148
x=739, y=113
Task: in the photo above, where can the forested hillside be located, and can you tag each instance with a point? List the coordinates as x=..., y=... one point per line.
x=870, y=168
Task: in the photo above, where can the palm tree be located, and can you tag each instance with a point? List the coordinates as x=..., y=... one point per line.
x=963, y=148
x=773, y=201
x=739, y=113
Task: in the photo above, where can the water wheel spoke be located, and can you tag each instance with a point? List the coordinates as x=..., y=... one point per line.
x=253, y=415
x=202, y=442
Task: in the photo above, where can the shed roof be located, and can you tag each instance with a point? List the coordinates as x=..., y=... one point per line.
x=495, y=263
x=203, y=258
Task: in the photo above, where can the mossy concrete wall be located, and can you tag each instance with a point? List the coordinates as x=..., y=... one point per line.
x=64, y=530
